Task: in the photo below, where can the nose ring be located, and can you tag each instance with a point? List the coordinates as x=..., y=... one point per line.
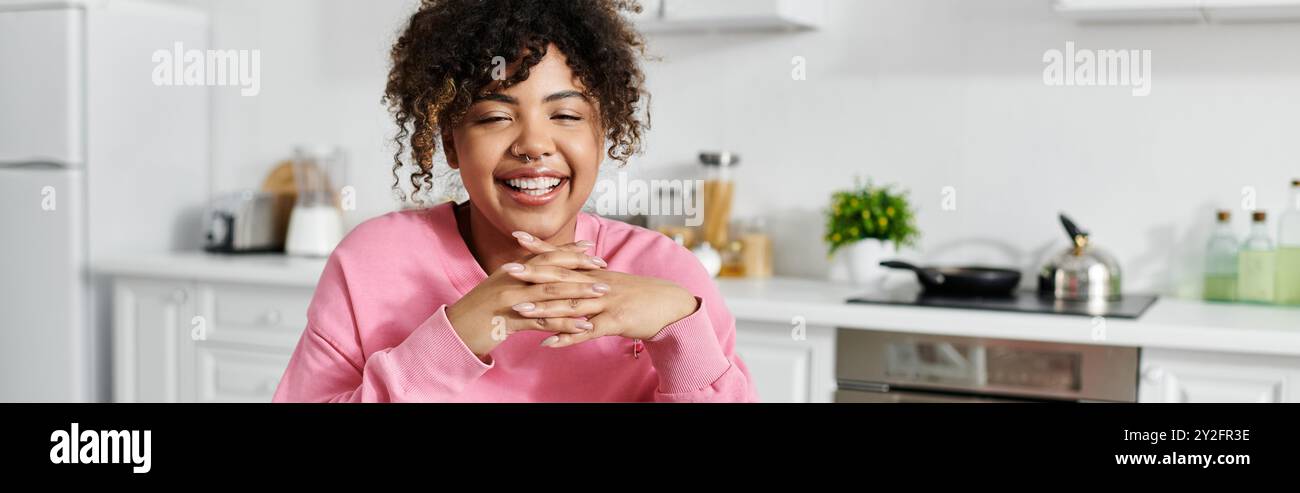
x=525, y=157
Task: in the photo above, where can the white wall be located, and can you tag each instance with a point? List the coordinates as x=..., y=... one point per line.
x=324, y=64
x=923, y=93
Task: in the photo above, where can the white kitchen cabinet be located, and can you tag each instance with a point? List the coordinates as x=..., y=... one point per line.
x=194, y=341
x=200, y=340
x=250, y=335
x=1175, y=376
x=787, y=367
x=685, y=16
x=151, y=325
x=235, y=373
x=253, y=315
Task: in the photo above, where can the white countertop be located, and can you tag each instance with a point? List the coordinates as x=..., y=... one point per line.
x=274, y=269
x=1169, y=323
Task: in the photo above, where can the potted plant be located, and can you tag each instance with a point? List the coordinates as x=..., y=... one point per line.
x=864, y=226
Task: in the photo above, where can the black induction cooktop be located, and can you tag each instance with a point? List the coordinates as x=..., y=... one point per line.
x=1130, y=306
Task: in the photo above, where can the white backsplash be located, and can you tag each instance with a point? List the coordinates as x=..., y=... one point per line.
x=922, y=93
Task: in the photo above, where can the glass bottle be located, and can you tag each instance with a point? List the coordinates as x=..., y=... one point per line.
x=1288, y=250
x=1221, y=261
x=1255, y=266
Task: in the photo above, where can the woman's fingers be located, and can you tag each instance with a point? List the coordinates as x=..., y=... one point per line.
x=536, y=245
x=567, y=259
x=537, y=293
x=574, y=307
x=571, y=338
x=550, y=267
x=538, y=274
x=557, y=285
x=504, y=326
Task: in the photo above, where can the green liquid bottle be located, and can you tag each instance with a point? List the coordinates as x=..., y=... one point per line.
x=1256, y=264
x=1221, y=261
x=1288, y=251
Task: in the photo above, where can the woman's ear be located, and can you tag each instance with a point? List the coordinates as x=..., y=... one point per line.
x=449, y=149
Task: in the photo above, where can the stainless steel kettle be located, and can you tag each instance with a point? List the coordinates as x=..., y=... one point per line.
x=1081, y=272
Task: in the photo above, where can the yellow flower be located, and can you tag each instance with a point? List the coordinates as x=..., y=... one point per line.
x=835, y=237
x=889, y=212
x=882, y=222
x=866, y=214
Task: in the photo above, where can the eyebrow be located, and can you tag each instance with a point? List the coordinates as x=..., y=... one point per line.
x=496, y=96
x=564, y=94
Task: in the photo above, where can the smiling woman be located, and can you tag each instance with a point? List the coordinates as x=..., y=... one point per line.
x=450, y=57
x=542, y=133
x=515, y=295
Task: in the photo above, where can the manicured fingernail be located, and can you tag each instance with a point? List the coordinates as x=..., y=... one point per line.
x=524, y=307
x=523, y=236
x=599, y=261
x=600, y=287
x=585, y=244
x=550, y=340
x=513, y=267
x=583, y=324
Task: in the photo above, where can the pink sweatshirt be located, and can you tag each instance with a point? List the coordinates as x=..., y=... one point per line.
x=377, y=328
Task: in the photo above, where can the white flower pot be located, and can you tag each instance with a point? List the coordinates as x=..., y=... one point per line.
x=859, y=262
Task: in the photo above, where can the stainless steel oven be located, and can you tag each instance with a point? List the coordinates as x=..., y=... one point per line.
x=875, y=366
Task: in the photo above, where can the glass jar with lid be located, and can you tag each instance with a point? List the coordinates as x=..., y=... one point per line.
x=719, y=191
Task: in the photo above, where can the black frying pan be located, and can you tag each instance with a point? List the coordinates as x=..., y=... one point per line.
x=962, y=281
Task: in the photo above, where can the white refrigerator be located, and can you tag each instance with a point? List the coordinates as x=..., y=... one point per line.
x=96, y=161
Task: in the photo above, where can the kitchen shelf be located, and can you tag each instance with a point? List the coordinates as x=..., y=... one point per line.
x=709, y=16
x=1187, y=11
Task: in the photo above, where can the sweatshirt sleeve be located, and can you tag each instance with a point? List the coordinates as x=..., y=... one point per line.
x=695, y=366
x=695, y=357
x=431, y=365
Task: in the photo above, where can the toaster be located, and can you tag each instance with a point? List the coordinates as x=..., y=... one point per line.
x=246, y=222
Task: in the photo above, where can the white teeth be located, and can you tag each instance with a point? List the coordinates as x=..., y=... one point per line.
x=534, y=184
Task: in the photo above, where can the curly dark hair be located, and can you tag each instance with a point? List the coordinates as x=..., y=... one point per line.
x=444, y=59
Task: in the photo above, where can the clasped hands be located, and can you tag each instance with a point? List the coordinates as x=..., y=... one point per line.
x=562, y=290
